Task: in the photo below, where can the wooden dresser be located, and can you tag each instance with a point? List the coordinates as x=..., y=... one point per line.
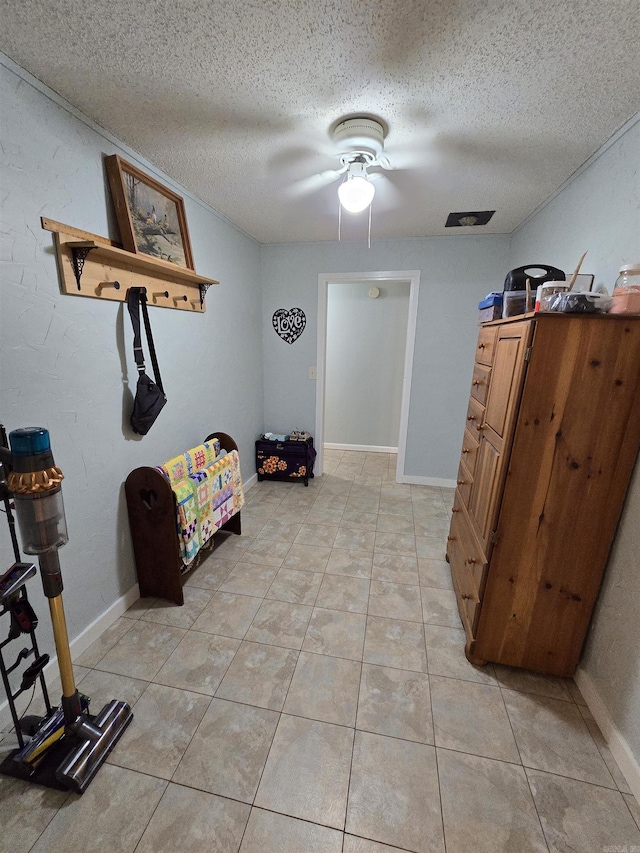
x=551, y=437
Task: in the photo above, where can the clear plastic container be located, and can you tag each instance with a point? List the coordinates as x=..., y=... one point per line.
x=548, y=290
x=626, y=295
x=629, y=276
x=578, y=303
x=41, y=521
x=514, y=302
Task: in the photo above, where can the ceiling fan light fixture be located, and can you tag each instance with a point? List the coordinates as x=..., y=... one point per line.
x=356, y=192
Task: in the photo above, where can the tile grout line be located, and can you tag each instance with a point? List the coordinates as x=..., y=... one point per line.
x=526, y=775
x=251, y=805
x=597, y=745
x=280, y=713
x=633, y=817
x=554, y=699
x=53, y=816
x=355, y=722
x=433, y=722
x=160, y=798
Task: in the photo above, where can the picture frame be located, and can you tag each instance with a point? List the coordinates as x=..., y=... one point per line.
x=151, y=217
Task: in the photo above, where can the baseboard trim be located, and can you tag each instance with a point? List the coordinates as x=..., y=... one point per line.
x=616, y=741
x=80, y=644
x=427, y=481
x=248, y=484
x=368, y=448
x=91, y=633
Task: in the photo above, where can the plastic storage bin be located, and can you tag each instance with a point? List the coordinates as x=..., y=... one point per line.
x=514, y=302
x=579, y=303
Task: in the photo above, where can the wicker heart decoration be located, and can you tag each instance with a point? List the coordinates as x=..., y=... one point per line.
x=289, y=324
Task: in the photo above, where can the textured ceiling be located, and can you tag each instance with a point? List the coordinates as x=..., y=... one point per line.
x=489, y=104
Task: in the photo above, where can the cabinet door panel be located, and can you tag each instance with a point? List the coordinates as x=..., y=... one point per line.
x=506, y=378
x=497, y=428
x=485, y=492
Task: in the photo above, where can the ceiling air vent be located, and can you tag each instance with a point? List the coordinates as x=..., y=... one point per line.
x=469, y=218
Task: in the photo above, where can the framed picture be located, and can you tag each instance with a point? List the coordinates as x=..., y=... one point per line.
x=150, y=216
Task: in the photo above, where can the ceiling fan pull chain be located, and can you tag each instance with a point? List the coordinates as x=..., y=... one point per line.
x=339, y=219
x=370, y=206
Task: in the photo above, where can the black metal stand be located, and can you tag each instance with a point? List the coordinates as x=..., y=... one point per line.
x=16, y=633
x=5, y=670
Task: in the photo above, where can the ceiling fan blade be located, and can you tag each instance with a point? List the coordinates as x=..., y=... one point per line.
x=429, y=157
x=313, y=183
x=388, y=196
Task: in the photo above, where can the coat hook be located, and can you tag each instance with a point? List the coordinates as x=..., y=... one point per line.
x=164, y=293
x=180, y=298
x=114, y=284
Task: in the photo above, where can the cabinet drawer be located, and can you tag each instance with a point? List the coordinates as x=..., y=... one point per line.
x=480, y=382
x=475, y=414
x=472, y=554
x=465, y=481
x=468, y=601
x=486, y=345
x=469, y=451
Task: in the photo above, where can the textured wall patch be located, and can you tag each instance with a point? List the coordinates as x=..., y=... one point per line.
x=289, y=323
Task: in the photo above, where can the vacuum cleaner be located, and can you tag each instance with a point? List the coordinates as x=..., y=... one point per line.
x=69, y=744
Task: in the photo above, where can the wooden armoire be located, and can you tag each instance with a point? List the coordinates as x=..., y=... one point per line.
x=550, y=441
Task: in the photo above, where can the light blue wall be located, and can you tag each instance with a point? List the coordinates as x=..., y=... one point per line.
x=456, y=272
x=366, y=343
x=597, y=212
x=62, y=358
x=600, y=211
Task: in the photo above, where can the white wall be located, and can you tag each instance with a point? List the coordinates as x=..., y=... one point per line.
x=66, y=362
x=600, y=211
x=456, y=272
x=366, y=340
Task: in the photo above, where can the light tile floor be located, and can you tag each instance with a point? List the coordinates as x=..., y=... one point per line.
x=312, y=696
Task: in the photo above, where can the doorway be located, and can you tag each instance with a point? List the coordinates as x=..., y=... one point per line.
x=371, y=280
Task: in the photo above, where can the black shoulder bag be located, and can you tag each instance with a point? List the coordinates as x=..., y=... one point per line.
x=150, y=396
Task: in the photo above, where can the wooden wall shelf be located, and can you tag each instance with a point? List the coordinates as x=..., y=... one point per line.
x=90, y=265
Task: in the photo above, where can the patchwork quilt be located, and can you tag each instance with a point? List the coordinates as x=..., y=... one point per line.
x=208, y=489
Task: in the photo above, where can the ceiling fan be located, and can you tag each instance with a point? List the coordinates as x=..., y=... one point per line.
x=359, y=145
x=361, y=141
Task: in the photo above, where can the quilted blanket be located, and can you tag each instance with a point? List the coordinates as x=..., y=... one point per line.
x=208, y=489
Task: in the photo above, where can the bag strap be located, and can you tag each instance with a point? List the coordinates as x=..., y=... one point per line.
x=138, y=296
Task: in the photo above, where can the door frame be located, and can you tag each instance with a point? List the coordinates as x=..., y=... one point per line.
x=324, y=280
